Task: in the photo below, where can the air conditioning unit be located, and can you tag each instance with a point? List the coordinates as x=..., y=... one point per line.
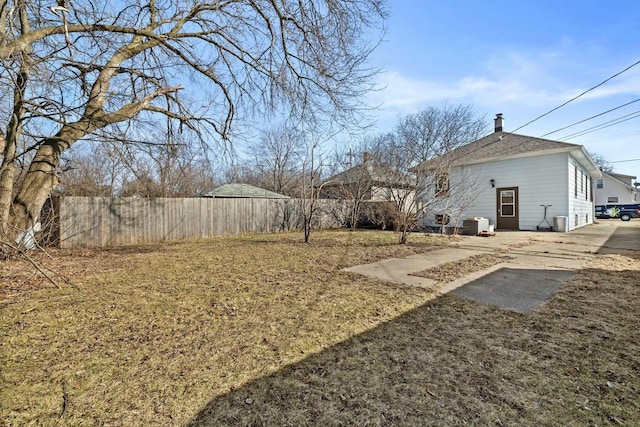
x=475, y=226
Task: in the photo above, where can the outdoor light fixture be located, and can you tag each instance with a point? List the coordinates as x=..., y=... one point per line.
x=493, y=183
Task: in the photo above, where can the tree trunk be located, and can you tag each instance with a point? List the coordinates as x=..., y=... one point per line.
x=9, y=143
x=404, y=234
x=42, y=178
x=354, y=216
x=39, y=182
x=7, y=174
x=307, y=231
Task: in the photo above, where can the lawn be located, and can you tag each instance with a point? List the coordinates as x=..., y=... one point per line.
x=148, y=335
x=265, y=330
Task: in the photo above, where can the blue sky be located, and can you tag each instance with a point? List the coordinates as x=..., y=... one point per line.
x=522, y=59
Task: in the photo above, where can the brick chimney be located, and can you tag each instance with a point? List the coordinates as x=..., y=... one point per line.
x=499, y=122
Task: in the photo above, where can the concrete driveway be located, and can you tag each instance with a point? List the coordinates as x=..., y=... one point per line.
x=540, y=263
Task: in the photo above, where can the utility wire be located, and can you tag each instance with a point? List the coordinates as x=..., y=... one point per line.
x=604, y=125
x=578, y=96
x=612, y=121
x=623, y=161
x=592, y=117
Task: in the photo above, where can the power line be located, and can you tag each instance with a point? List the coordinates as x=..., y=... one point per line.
x=578, y=96
x=624, y=161
x=604, y=125
x=601, y=125
x=592, y=117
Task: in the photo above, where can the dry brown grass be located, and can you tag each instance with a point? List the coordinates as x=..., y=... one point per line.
x=450, y=271
x=148, y=335
x=264, y=330
x=574, y=361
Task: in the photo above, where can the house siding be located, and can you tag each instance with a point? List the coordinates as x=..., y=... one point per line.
x=380, y=194
x=614, y=188
x=403, y=197
x=541, y=180
x=532, y=176
x=580, y=205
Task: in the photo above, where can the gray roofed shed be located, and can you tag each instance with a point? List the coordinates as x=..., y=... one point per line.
x=238, y=191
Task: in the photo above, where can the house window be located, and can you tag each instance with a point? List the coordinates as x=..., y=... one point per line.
x=586, y=187
x=442, y=219
x=599, y=183
x=581, y=182
x=612, y=199
x=575, y=181
x=442, y=184
x=507, y=203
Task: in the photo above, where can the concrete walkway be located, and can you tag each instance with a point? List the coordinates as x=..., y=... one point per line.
x=540, y=262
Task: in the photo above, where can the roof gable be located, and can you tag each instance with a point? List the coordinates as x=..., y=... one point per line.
x=619, y=178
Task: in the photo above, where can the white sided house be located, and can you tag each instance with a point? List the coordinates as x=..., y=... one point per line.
x=371, y=182
x=510, y=178
x=614, y=188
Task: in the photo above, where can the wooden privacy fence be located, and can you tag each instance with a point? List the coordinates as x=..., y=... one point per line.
x=104, y=221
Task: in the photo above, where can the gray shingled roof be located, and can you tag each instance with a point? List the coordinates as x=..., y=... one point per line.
x=502, y=145
x=243, y=191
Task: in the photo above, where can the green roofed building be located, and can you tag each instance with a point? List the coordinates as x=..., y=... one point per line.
x=242, y=191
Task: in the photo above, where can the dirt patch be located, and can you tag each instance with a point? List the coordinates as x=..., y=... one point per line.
x=451, y=271
x=65, y=267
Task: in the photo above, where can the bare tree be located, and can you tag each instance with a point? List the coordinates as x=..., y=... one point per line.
x=602, y=162
x=352, y=183
x=143, y=184
x=423, y=143
x=313, y=168
x=91, y=172
x=244, y=173
x=463, y=189
x=311, y=186
x=405, y=190
x=278, y=157
x=168, y=168
x=171, y=169
x=437, y=131
x=91, y=68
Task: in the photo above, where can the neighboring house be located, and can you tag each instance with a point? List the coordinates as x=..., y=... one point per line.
x=375, y=194
x=615, y=188
x=370, y=182
x=509, y=178
x=243, y=191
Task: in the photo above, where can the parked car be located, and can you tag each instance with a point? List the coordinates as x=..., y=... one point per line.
x=624, y=212
x=601, y=212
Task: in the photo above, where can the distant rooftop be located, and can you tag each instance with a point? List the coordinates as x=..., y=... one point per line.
x=243, y=191
x=376, y=174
